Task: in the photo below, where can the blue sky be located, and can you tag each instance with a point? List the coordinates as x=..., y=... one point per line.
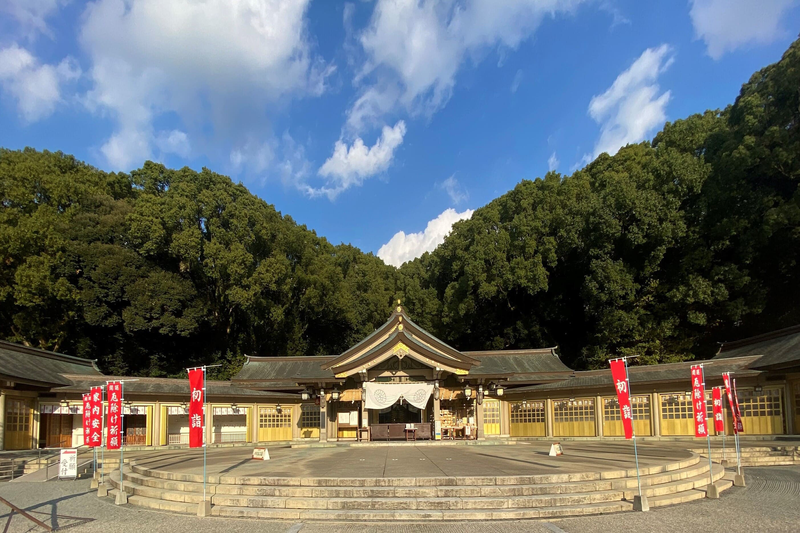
x=374, y=123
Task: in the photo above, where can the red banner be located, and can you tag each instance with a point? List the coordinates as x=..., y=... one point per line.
x=94, y=436
x=619, y=375
x=726, y=378
x=737, y=414
x=699, y=402
x=196, y=414
x=114, y=427
x=87, y=417
x=719, y=420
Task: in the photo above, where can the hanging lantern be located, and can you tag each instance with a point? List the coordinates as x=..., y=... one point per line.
x=468, y=391
x=499, y=390
x=335, y=395
x=435, y=390
x=305, y=395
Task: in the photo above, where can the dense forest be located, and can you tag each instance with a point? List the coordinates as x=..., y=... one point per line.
x=662, y=250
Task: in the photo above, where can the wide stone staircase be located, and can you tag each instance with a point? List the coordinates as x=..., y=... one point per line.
x=420, y=498
x=756, y=455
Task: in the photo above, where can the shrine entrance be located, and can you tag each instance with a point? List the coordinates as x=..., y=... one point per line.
x=400, y=414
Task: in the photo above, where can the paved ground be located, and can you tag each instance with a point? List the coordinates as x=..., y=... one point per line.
x=768, y=503
x=413, y=461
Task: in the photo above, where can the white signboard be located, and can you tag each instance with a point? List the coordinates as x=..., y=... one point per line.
x=260, y=454
x=556, y=449
x=68, y=467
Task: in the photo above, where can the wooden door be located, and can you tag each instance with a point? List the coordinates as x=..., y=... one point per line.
x=19, y=421
x=58, y=430
x=491, y=417
x=274, y=425
x=574, y=418
x=612, y=419
x=677, y=414
x=528, y=419
x=309, y=421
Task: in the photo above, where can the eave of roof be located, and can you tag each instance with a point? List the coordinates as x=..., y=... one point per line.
x=40, y=367
x=780, y=349
x=162, y=386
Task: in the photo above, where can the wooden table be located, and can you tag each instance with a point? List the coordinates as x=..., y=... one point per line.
x=360, y=434
x=412, y=432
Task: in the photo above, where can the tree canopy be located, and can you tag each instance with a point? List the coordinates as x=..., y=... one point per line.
x=660, y=250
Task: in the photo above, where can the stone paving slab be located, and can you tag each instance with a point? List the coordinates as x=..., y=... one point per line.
x=480, y=463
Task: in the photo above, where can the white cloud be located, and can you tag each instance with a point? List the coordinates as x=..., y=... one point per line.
x=726, y=25
x=552, y=162
x=414, y=48
x=455, y=190
x=219, y=65
x=405, y=247
x=31, y=15
x=348, y=167
x=174, y=142
x=517, y=81
x=633, y=106
x=36, y=88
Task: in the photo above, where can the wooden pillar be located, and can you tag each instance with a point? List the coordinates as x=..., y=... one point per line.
x=505, y=419
x=655, y=414
x=437, y=416
x=323, y=417
x=548, y=417
x=2, y=420
x=254, y=423
x=479, y=419
x=788, y=408
x=598, y=416
x=210, y=426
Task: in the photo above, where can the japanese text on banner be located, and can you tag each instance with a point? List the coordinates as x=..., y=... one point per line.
x=619, y=375
x=719, y=421
x=94, y=437
x=196, y=414
x=699, y=402
x=114, y=426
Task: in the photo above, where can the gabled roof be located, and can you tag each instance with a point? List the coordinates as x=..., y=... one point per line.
x=40, y=367
x=405, y=330
x=778, y=349
x=282, y=372
x=540, y=364
x=161, y=386
x=671, y=372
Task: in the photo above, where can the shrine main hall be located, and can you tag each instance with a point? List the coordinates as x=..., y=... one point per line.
x=400, y=383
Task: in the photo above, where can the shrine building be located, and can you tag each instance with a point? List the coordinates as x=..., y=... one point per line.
x=400, y=384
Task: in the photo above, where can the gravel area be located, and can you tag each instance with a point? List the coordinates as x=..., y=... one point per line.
x=768, y=503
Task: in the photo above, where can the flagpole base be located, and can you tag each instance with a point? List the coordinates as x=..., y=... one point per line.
x=94, y=484
x=204, y=508
x=102, y=491
x=725, y=463
x=122, y=498
x=712, y=492
x=738, y=479
x=640, y=503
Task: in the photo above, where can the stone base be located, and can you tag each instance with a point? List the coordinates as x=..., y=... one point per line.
x=122, y=498
x=738, y=480
x=725, y=463
x=102, y=490
x=94, y=484
x=204, y=508
x=712, y=492
x=640, y=503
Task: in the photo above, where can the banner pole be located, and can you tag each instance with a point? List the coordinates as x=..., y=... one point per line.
x=205, y=431
x=103, y=438
x=121, y=437
x=633, y=430
x=708, y=431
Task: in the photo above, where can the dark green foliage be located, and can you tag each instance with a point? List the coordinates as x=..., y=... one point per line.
x=661, y=250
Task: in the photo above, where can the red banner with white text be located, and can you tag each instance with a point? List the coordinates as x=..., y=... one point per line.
x=87, y=417
x=699, y=402
x=114, y=426
x=196, y=415
x=619, y=375
x=719, y=421
x=737, y=413
x=726, y=379
x=94, y=437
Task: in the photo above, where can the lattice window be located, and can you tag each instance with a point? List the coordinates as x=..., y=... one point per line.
x=527, y=412
x=309, y=415
x=764, y=403
x=581, y=410
x=640, y=405
x=18, y=416
x=269, y=417
x=676, y=406
x=491, y=412
x=796, y=399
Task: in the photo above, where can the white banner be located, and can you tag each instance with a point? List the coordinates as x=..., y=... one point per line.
x=50, y=409
x=222, y=411
x=383, y=395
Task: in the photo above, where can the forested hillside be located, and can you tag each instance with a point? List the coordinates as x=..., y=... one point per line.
x=661, y=250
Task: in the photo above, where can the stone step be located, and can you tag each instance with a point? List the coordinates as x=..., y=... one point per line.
x=681, y=485
x=154, y=503
x=689, y=495
x=409, y=481
x=421, y=515
x=392, y=504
